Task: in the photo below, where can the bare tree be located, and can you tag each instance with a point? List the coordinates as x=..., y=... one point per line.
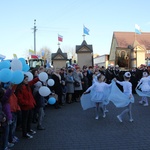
x=45, y=53
x=71, y=53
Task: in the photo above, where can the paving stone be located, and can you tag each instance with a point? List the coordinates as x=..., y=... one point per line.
x=71, y=128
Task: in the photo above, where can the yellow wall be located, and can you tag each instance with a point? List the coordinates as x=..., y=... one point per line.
x=59, y=64
x=113, y=50
x=84, y=59
x=137, y=56
x=140, y=56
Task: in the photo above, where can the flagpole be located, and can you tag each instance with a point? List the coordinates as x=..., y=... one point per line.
x=134, y=36
x=83, y=34
x=83, y=37
x=58, y=45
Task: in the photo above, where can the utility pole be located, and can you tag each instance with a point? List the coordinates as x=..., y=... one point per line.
x=34, y=29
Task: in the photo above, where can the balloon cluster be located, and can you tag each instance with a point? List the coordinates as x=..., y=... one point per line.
x=14, y=71
x=44, y=90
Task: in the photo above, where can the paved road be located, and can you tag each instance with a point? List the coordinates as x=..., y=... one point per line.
x=71, y=128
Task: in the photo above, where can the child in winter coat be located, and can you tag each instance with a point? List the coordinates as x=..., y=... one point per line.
x=27, y=103
x=6, y=109
x=40, y=104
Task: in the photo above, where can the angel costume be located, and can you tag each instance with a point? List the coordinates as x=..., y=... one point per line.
x=143, y=90
x=99, y=92
x=122, y=99
x=119, y=98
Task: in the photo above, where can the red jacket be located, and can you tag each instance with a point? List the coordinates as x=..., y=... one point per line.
x=13, y=100
x=25, y=96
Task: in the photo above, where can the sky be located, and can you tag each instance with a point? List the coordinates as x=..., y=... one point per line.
x=67, y=17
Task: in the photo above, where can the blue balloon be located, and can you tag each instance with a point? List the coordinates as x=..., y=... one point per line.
x=17, y=77
x=5, y=75
x=4, y=64
x=23, y=61
x=26, y=68
x=51, y=100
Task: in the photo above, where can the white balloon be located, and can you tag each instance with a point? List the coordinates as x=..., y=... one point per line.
x=16, y=64
x=38, y=84
x=30, y=75
x=50, y=82
x=43, y=76
x=44, y=91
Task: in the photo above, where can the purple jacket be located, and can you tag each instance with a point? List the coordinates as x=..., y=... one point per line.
x=6, y=105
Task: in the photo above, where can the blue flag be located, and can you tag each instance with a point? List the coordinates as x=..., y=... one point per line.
x=86, y=30
x=137, y=29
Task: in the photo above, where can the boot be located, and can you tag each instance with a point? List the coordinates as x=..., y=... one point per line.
x=96, y=111
x=57, y=105
x=69, y=99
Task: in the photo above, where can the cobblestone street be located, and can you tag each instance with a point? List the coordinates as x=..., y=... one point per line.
x=71, y=128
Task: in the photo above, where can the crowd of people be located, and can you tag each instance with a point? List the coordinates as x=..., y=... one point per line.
x=21, y=105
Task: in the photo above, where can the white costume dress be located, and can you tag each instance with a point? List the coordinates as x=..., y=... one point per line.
x=99, y=92
x=119, y=98
x=144, y=87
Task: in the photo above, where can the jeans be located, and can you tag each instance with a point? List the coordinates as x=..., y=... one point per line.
x=40, y=115
x=5, y=136
x=12, y=127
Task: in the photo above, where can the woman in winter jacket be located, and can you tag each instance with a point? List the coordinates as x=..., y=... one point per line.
x=15, y=109
x=27, y=103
